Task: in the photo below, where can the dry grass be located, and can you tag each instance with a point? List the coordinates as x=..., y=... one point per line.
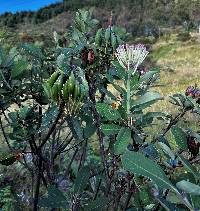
x=180, y=66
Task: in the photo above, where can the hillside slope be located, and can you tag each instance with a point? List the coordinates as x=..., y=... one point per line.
x=140, y=17
x=180, y=68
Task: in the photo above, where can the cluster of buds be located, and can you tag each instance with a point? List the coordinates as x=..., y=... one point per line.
x=87, y=56
x=193, y=92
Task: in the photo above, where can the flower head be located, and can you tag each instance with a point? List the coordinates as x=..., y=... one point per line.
x=131, y=56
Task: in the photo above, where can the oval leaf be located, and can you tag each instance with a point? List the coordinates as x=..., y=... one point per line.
x=54, y=199
x=180, y=137
x=188, y=187
x=147, y=99
x=123, y=139
x=81, y=180
x=108, y=112
x=110, y=129
x=137, y=163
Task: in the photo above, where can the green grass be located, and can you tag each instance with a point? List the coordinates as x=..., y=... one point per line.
x=162, y=51
x=180, y=66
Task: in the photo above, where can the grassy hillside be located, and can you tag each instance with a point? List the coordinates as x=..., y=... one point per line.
x=140, y=17
x=180, y=68
x=179, y=62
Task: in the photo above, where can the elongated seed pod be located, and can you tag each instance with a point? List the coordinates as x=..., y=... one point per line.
x=60, y=82
x=53, y=78
x=47, y=89
x=55, y=92
x=107, y=35
x=76, y=91
x=71, y=84
x=65, y=92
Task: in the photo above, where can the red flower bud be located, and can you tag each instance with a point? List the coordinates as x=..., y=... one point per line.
x=91, y=56
x=84, y=56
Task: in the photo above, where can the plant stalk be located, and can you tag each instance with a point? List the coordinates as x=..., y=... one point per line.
x=128, y=96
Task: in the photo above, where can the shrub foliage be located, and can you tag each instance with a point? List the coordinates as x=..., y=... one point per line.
x=78, y=132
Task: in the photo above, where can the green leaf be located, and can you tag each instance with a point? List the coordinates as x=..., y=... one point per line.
x=188, y=187
x=166, y=204
x=134, y=82
x=137, y=163
x=180, y=137
x=188, y=166
x=174, y=101
x=13, y=116
x=23, y=112
x=123, y=139
x=97, y=205
x=54, y=199
x=82, y=180
x=108, y=112
x=62, y=62
x=195, y=201
x=89, y=130
x=146, y=119
x=119, y=70
x=149, y=75
x=77, y=127
x=110, y=129
x=19, y=69
x=48, y=117
x=173, y=198
x=167, y=150
x=146, y=100
x=120, y=89
x=32, y=50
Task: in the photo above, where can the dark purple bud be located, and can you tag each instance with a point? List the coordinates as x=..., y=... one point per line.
x=190, y=91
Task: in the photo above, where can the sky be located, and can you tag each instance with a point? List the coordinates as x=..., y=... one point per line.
x=21, y=5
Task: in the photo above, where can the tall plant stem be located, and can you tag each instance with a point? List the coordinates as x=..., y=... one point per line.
x=128, y=96
x=128, y=90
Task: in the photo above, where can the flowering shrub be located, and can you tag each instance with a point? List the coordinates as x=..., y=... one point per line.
x=56, y=107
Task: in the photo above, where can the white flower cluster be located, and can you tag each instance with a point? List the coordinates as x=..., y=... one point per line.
x=131, y=56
